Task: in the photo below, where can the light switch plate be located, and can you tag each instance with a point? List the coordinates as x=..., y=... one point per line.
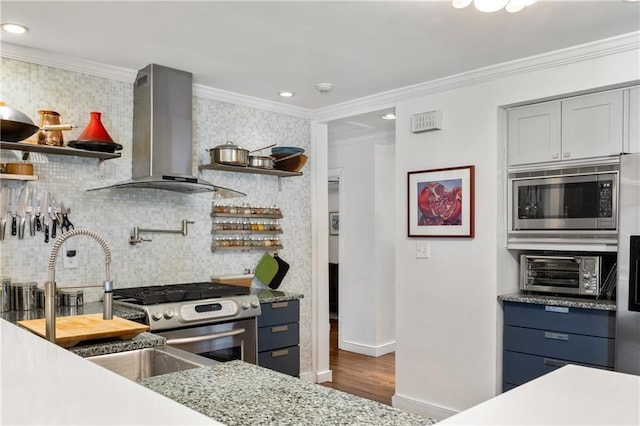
x=423, y=250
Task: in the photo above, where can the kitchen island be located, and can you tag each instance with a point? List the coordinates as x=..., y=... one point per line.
x=571, y=395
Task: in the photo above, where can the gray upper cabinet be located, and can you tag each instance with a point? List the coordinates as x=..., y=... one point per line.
x=583, y=127
x=534, y=133
x=633, y=141
x=592, y=125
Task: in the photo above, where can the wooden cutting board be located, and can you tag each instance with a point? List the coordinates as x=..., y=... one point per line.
x=74, y=329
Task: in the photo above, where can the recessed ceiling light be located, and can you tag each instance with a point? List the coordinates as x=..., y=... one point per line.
x=389, y=116
x=14, y=28
x=286, y=94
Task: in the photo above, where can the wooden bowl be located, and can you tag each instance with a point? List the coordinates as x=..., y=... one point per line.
x=294, y=164
x=19, y=168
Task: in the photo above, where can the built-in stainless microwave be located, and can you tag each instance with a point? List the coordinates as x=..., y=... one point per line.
x=574, y=202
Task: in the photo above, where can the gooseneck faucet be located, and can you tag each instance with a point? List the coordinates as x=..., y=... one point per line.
x=50, y=285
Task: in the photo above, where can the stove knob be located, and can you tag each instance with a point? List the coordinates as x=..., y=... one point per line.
x=586, y=276
x=586, y=285
x=245, y=305
x=255, y=304
x=169, y=314
x=156, y=316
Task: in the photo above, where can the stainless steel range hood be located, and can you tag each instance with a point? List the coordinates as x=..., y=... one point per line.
x=162, y=138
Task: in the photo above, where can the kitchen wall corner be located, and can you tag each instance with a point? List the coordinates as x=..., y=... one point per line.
x=113, y=213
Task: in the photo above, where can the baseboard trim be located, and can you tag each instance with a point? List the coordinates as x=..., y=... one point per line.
x=324, y=376
x=421, y=407
x=374, y=351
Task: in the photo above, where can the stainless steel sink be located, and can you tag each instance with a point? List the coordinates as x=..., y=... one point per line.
x=148, y=362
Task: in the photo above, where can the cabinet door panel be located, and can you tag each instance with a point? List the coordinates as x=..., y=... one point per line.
x=590, y=322
x=519, y=368
x=278, y=336
x=534, y=133
x=563, y=346
x=279, y=313
x=592, y=125
x=634, y=120
x=285, y=360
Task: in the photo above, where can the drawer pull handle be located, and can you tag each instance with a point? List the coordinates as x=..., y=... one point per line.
x=556, y=336
x=279, y=329
x=276, y=354
x=554, y=362
x=557, y=309
x=279, y=305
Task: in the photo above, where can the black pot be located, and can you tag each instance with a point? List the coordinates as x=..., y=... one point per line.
x=15, y=126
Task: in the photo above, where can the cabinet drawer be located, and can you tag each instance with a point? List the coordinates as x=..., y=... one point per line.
x=278, y=336
x=564, y=346
x=279, y=313
x=590, y=322
x=286, y=360
x=520, y=368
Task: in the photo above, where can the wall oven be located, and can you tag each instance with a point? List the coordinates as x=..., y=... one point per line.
x=216, y=321
x=584, y=203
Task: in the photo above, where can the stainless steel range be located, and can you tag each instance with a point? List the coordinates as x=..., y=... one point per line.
x=216, y=321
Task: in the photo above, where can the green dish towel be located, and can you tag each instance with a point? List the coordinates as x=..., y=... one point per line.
x=267, y=269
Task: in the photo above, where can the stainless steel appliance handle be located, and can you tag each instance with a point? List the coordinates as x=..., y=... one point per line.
x=205, y=337
x=547, y=259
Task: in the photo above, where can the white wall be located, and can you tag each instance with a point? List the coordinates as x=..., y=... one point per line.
x=448, y=338
x=366, y=292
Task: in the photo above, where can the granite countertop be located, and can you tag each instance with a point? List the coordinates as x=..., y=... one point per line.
x=238, y=393
x=267, y=295
x=64, y=311
x=571, y=302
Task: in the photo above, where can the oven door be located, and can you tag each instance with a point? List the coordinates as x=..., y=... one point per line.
x=578, y=202
x=551, y=274
x=227, y=341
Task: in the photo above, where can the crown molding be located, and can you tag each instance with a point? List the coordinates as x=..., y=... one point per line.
x=574, y=54
x=70, y=63
x=383, y=100
x=220, y=95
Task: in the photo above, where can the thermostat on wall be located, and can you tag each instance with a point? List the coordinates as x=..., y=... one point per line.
x=426, y=121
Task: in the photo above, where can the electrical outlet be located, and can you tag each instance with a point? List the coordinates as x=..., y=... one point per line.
x=423, y=250
x=70, y=259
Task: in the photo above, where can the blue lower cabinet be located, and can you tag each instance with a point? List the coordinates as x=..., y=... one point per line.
x=279, y=337
x=284, y=360
x=538, y=339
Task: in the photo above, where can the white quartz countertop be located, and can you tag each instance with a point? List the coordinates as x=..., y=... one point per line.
x=44, y=384
x=571, y=395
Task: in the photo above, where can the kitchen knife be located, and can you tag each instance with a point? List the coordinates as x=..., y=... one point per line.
x=37, y=205
x=44, y=208
x=31, y=211
x=4, y=209
x=53, y=215
x=14, y=221
x=22, y=211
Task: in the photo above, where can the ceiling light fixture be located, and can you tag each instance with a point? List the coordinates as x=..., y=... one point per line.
x=389, y=116
x=14, y=28
x=489, y=6
x=286, y=94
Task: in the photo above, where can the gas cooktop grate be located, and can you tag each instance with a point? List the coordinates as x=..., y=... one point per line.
x=178, y=292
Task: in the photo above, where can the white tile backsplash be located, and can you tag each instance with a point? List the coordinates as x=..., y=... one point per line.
x=169, y=258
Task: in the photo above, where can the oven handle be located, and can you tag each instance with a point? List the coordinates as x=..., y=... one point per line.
x=541, y=259
x=205, y=337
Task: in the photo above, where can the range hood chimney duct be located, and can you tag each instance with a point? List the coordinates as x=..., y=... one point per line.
x=162, y=148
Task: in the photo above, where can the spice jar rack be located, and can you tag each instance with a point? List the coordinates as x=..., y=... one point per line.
x=245, y=227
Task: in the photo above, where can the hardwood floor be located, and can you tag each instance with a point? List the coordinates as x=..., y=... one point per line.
x=361, y=375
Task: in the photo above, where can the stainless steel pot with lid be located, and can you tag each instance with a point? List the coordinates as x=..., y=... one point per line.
x=229, y=153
